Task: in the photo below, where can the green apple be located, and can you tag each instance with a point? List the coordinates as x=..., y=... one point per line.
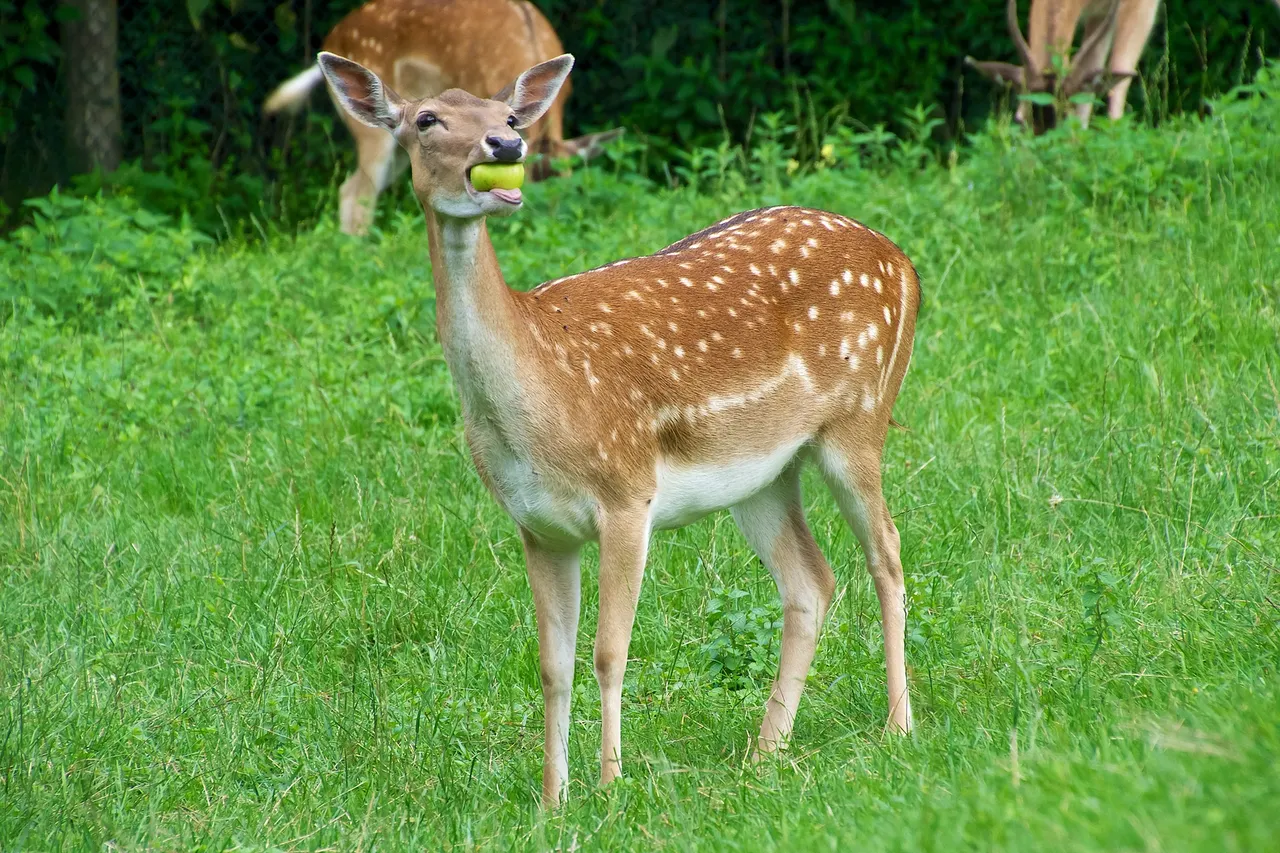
x=504, y=176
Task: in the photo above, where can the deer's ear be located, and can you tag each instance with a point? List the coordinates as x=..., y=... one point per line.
x=592, y=144
x=534, y=91
x=1000, y=72
x=360, y=92
x=1098, y=82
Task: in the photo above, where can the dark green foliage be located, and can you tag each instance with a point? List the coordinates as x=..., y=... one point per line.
x=681, y=75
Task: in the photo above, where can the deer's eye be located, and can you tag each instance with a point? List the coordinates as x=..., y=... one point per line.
x=425, y=120
x=511, y=121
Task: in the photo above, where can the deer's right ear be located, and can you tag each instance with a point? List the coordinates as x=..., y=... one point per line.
x=534, y=91
x=360, y=92
x=1000, y=72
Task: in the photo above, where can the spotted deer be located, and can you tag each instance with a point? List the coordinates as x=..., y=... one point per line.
x=422, y=48
x=647, y=393
x=1115, y=33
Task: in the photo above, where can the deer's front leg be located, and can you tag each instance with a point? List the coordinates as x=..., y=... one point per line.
x=624, y=542
x=556, y=583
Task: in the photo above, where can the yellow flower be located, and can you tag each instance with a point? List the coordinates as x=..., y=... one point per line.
x=828, y=152
x=792, y=166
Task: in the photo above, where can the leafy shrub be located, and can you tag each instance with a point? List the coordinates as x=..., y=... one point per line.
x=742, y=643
x=81, y=255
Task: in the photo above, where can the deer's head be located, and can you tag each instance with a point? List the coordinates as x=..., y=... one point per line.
x=1084, y=73
x=448, y=135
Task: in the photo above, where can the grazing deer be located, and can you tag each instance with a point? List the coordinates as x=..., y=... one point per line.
x=1115, y=32
x=647, y=393
x=423, y=47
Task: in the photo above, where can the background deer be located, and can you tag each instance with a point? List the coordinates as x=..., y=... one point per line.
x=1115, y=32
x=647, y=393
x=423, y=47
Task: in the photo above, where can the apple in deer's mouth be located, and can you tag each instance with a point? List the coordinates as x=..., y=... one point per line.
x=501, y=180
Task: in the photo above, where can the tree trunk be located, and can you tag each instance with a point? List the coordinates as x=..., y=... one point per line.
x=93, y=86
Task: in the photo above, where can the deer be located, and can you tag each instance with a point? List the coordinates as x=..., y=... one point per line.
x=650, y=392
x=1115, y=33
x=423, y=47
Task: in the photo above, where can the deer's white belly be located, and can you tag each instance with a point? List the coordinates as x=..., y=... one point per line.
x=687, y=493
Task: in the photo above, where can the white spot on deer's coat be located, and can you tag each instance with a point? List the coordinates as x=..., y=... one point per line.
x=777, y=246
x=878, y=286
x=679, y=351
x=835, y=287
x=864, y=280
x=868, y=400
x=847, y=276
x=813, y=312
x=873, y=331
x=755, y=270
x=794, y=276
x=888, y=318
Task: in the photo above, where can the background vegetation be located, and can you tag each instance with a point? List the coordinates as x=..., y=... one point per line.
x=678, y=75
x=255, y=597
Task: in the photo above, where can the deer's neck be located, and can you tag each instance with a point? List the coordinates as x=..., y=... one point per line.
x=475, y=317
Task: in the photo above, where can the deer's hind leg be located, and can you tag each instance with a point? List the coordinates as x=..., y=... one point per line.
x=1133, y=27
x=851, y=466
x=375, y=167
x=773, y=523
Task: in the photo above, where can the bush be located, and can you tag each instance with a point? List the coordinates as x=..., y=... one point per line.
x=81, y=255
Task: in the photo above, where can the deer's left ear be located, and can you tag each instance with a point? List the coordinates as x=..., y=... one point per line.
x=592, y=144
x=360, y=92
x=1000, y=72
x=1100, y=82
x=534, y=91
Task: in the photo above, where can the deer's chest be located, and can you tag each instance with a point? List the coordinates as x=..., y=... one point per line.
x=552, y=510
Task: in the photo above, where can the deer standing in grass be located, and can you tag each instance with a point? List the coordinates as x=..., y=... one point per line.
x=422, y=48
x=650, y=392
x=1115, y=33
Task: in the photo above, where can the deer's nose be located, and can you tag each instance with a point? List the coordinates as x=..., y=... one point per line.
x=505, y=150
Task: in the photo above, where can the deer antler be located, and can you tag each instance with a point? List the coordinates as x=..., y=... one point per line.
x=1015, y=33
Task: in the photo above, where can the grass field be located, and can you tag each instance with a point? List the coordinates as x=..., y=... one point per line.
x=253, y=595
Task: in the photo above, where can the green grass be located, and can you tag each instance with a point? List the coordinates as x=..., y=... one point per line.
x=253, y=595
